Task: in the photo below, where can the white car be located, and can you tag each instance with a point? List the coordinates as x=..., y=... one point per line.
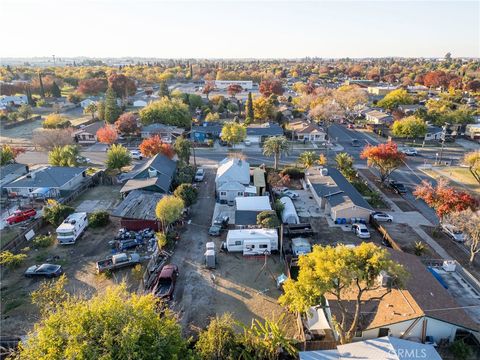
x=361, y=231
x=453, y=232
x=410, y=151
x=200, y=174
x=381, y=216
x=291, y=194
x=247, y=142
x=135, y=154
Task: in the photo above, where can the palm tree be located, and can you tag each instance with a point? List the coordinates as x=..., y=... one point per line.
x=275, y=146
x=307, y=159
x=345, y=166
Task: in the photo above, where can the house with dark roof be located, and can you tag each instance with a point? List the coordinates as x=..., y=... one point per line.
x=57, y=181
x=434, y=133
x=87, y=134
x=336, y=195
x=422, y=308
x=303, y=130
x=206, y=131
x=155, y=175
x=167, y=133
x=257, y=133
x=11, y=172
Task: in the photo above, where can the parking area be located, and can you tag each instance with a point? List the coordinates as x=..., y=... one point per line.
x=242, y=286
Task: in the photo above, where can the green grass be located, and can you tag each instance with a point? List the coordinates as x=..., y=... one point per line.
x=458, y=175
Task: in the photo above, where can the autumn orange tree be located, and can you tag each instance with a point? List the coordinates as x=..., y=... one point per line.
x=271, y=86
x=443, y=198
x=154, y=145
x=127, y=123
x=234, y=89
x=386, y=158
x=208, y=88
x=107, y=134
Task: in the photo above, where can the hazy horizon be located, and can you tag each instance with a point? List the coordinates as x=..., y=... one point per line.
x=241, y=30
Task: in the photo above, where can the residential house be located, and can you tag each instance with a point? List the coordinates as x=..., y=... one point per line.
x=384, y=348
x=247, y=209
x=155, y=175
x=56, y=181
x=334, y=193
x=84, y=103
x=380, y=90
x=232, y=179
x=378, y=118
x=422, y=308
x=13, y=100
x=206, y=131
x=303, y=130
x=434, y=133
x=11, y=172
x=410, y=109
x=87, y=134
x=167, y=133
x=257, y=133
x=137, y=210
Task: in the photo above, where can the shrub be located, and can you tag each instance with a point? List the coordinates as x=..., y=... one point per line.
x=137, y=272
x=278, y=207
x=187, y=193
x=293, y=173
x=55, y=121
x=419, y=248
x=268, y=219
x=98, y=219
x=460, y=350
x=42, y=241
x=11, y=260
x=54, y=213
x=185, y=175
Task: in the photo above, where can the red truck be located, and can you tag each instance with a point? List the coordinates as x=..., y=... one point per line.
x=165, y=283
x=21, y=215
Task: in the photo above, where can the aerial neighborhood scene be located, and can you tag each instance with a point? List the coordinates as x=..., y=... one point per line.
x=240, y=180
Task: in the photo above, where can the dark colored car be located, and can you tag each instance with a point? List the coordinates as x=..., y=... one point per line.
x=44, y=270
x=128, y=244
x=20, y=216
x=165, y=284
x=221, y=220
x=355, y=143
x=399, y=188
x=215, y=230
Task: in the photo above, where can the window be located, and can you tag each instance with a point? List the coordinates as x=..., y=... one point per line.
x=238, y=243
x=223, y=193
x=358, y=333
x=263, y=246
x=383, y=332
x=240, y=193
x=300, y=137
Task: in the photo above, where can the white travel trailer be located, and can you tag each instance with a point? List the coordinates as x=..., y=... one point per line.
x=71, y=228
x=252, y=241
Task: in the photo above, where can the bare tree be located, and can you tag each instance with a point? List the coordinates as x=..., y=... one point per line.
x=47, y=139
x=468, y=221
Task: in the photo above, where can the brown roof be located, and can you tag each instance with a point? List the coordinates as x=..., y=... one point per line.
x=422, y=296
x=304, y=127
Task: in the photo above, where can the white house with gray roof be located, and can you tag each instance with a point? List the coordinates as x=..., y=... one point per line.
x=58, y=180
x=233, y=176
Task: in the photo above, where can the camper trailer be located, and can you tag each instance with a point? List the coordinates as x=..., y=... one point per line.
x=71, y=228
x=252, y=241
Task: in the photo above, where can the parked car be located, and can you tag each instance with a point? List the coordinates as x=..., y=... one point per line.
x=381, y=216
x=291, y=194
x=279, y=190
x=44, y=270
x=409, y=151
x=118, y=261
x=165, y=284
x=399, y=188
x=83, y=160
x=135, y=154
x=361, y=231
x=128, y=244
x=453, y=232
x=221, y=220
x=200, y=174
x=247, y=142
x=20, y=216
x=355, y=143
x=215, y=230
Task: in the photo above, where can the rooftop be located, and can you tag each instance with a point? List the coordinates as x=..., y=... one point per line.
x=138, y=204
x=48, y=176
x=267, y=129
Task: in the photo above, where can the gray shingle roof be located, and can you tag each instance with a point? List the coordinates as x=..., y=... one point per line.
x=246, y=217
x=162, y=164
x=268, y=129
x=8, y=169
x=138, y=205
x=51, y=176
x=209, y=129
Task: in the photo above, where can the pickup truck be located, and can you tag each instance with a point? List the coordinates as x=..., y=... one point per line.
x=165, y=284
x=20, y=216
x=117, y=261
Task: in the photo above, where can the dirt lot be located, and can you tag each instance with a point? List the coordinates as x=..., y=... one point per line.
x=101, y=197
x=238, y=285
x=78, y=261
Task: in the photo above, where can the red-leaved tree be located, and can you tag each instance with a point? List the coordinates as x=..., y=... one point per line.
x=127, y=123
x=386, y=158
x=107, y=134
x=93, y=86
x=122, y=85
x=443, y=198
x=271, y=86
x=234, y=89
x=154, y=145
x=208, y=87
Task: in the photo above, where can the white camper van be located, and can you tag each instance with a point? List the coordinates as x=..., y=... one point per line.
x=252, y=241
x=71, y=228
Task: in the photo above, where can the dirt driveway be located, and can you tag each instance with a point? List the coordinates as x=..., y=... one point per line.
x=241, y=286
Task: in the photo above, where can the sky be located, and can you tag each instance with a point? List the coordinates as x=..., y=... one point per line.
x=239, y=29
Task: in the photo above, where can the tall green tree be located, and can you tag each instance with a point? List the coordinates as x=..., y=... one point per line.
x=276, y=146
x=163, y=91
x=249, y=108
x=410, y=127
x=112, y=110
x=187, y=192
x=40, y=82
x=114, y=324
x=91, y=109
x=166, y=111
x=101, y=110
x=55, y=90
x=344, y=275
x=64, y=156
x=233, y=133
x=118, y=157
x=182, y=148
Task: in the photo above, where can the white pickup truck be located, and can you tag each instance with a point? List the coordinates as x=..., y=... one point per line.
x=118, y=261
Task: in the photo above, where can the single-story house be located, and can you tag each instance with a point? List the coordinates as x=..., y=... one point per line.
x=206, y=131
x=139, y=103
x=434, y=133
x=423, y=307
x=303, y=130
x=86, y=102
x=167, y=133
x=336, y=195
x=137, y=210
x=87, y=134
x=378, y=117
x=11, y=172
x=410, y=109
x=383, y=348
x=58, y=180
x=233, y=176
x=16, y=100
x=155, y=175
x=257, y=133
x=380, y=90
x=247, y=209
